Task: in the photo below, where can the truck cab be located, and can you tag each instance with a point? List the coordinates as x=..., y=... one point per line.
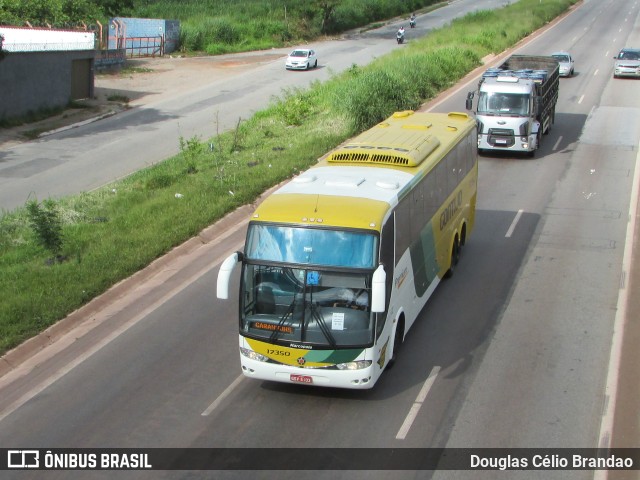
x=506, y=114
x=516, y=103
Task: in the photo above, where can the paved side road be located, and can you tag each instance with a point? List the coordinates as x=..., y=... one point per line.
x=142, y=82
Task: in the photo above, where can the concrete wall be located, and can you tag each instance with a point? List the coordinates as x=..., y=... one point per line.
x=32, y=81
x=169, y=30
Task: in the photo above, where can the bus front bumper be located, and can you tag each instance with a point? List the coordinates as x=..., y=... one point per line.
x=354, y=379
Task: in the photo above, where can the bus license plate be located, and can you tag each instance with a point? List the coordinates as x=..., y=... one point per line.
x=300, y=378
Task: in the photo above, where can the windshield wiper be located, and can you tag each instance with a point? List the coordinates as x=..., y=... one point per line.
x=288, y=314
x=284, y=318
x=322, y=324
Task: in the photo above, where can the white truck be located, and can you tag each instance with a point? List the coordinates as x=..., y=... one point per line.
x=516, y=103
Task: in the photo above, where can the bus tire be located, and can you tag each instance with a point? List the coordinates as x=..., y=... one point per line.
x=397, y=342
x=463, y=235
x=455, y=257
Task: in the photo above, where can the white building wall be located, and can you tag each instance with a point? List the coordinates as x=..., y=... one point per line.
x=18, y=39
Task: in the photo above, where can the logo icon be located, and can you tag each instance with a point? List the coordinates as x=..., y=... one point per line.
x=23, y=459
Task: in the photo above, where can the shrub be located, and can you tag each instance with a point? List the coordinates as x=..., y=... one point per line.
x=46, y=223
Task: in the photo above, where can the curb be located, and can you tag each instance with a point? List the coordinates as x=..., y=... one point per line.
x=78, y=124
x=12, y=359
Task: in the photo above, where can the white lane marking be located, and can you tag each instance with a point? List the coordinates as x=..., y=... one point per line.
x=512, y=227
x=222, y=396
x=555, y=146
x=415, y=408
x=611, y=387
x=581, y=99
x=596, y=72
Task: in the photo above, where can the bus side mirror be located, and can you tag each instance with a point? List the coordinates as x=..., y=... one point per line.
x=469, y=103
x=224, y=274
x=378, y=290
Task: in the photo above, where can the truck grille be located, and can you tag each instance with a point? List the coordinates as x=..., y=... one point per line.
x=501, y=137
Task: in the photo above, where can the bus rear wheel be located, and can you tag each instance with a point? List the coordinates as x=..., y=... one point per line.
x=455, y=257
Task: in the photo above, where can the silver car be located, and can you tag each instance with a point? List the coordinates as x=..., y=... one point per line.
x=301, y=59
x=566, y=62
x=627, y=63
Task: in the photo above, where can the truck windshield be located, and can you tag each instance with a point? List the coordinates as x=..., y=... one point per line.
x=315, y=307
x=509, y=104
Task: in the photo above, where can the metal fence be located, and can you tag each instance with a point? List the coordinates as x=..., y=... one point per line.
x=144, y=46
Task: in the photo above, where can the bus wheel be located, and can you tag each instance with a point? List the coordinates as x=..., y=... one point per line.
x=397, y=341
x=463, y=236
x=455, y=256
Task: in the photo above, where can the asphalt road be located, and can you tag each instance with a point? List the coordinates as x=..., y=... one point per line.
x=84, y=158
x=520, y=340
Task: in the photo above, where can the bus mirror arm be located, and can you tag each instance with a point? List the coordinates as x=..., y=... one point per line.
x=224, y=274
x=378, y=290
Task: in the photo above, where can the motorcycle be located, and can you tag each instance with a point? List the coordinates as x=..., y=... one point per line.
x=400, y=37
x=412, y=23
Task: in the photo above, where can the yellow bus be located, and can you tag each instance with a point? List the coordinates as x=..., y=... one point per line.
x=339, y=262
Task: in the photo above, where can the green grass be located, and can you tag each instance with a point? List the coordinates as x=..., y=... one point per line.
x=228, y=26
x=111, y=233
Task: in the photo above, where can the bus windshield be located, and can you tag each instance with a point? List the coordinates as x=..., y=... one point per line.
x=311, y=246
x=315, y=307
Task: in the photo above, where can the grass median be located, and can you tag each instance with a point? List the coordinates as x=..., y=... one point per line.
x=106, y=235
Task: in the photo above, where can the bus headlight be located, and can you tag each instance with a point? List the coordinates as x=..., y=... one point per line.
x=358, y=365
x=253, y=355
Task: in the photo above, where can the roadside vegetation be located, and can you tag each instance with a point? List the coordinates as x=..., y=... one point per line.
x=56, y=255
x=219, y=26
x=229, y=26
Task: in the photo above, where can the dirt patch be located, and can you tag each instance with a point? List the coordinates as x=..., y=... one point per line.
x=142, y=81
x=148, y=79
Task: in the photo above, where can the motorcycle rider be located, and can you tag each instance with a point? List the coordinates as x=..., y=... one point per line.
x=400, y=34
x=412, y=20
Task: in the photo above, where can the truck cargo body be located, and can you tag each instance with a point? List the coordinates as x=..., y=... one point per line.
x=516, y=103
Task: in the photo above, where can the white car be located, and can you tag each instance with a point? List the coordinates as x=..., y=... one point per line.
x=302, y=59
x=565, y=60
x=627, y=63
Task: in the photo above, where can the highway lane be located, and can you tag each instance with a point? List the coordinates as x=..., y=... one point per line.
x=522, y=361
x=95, y=154
x=557, y=327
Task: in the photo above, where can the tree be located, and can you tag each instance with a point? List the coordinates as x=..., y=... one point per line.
x=56, y=13
x=115, y=8
x=327, y=10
